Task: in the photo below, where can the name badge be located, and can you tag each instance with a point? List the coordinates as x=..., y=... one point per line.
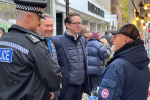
x=6, y=55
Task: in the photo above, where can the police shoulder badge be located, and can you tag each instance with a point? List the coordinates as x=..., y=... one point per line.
x=33, y=38
x=105, y=93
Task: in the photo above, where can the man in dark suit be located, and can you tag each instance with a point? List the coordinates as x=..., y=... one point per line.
x=72, y=58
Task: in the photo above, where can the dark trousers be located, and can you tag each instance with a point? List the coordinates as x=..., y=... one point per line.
x=94, y=82
x=73, y=92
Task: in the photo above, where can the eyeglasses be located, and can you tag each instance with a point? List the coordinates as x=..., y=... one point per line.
x=114, y=36
x=76, y=23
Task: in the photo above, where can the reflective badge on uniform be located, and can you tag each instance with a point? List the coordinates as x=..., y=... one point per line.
x=105, y=93
x=33, y=38
x=6, y=55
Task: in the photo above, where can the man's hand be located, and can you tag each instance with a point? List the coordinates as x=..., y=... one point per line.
x=51, y=95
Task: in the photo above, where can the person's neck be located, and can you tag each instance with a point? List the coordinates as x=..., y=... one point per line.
x=47, y=37
x=22, y=24
x=72, y=33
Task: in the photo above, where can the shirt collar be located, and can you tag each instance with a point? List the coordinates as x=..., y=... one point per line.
x=71, y=35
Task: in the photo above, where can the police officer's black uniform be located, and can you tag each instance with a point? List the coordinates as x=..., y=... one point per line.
x=26, y=66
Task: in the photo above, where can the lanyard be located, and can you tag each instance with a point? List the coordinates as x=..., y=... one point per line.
x=48, y=43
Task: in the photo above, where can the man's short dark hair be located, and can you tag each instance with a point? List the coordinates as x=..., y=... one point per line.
x=106, y=33
x=2, y=29
x=69, y=16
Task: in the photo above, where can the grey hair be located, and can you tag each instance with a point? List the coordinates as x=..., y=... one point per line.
x=46, y=15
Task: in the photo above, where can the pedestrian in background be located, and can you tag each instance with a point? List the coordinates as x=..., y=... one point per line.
x=97, y=53
x=127, y=75
x=108, y=37
x=46, y=29
x=2, y=31
x=85, y=31
x=71, y=53
x=26, y=65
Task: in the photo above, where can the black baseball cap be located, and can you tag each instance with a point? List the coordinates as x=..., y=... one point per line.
x=31, y=6
x=129, y=30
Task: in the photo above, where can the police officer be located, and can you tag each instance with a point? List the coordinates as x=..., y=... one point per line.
x=27, y=69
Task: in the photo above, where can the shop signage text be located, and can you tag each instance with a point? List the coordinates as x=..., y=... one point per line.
x=92, y=8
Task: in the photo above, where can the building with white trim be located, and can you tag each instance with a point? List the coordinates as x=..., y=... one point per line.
x=94, y=13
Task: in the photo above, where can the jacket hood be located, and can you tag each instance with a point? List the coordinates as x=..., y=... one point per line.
x=134, y=52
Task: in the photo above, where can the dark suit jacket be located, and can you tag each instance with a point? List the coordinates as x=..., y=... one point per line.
x=61, y=46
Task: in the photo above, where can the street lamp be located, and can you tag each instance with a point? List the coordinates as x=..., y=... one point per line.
x=67, y=7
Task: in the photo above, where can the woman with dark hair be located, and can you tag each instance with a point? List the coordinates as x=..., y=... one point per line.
x=97, y=53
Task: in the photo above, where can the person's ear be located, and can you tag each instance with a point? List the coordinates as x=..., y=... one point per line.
x=127, y=39
x=28, y=18
x=67, y=25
